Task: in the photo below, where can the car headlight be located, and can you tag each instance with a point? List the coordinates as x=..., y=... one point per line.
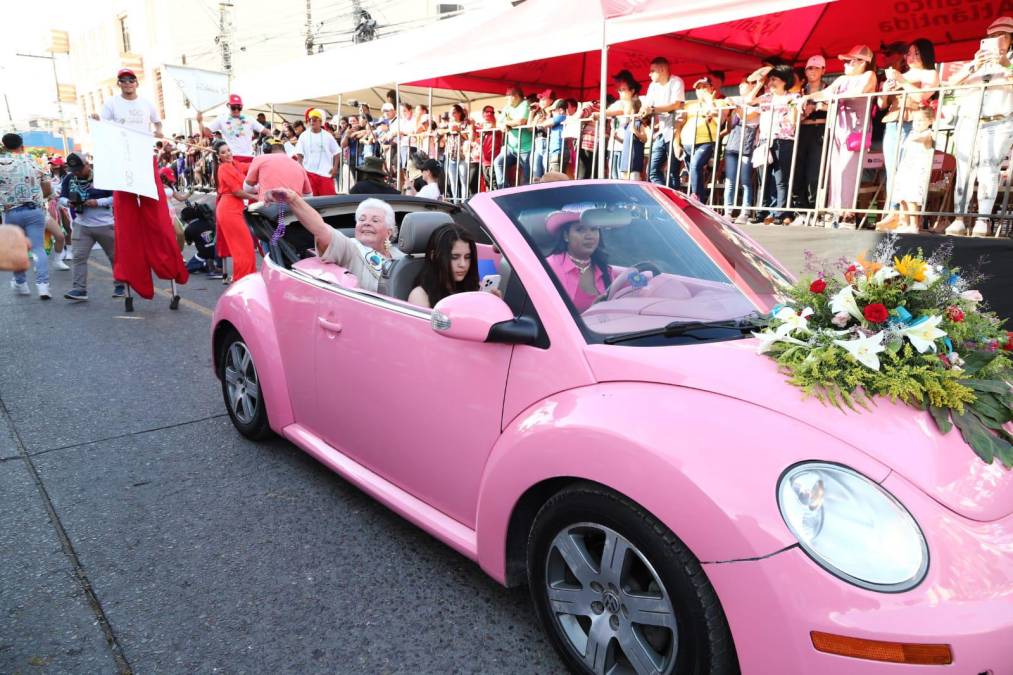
x=852, y=527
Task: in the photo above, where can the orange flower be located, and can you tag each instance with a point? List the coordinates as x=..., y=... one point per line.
x=910, y=267
x=869, y=266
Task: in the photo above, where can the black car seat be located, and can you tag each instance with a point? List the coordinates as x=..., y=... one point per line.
x=416, y=228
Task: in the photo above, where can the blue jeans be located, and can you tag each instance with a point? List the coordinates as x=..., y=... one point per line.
x=702, y=154
x=506, y=158
x=745, y=178
x=33, y=222
x=893, y=138
x=457, y=178
x=541, y=156
x=660, y=151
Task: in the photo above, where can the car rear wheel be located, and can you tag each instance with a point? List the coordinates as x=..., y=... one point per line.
x=618, y=592
x=241, y=389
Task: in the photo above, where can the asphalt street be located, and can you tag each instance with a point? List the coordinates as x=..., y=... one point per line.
x=140, y=533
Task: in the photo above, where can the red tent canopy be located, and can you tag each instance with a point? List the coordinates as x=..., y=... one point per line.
x=695, y=35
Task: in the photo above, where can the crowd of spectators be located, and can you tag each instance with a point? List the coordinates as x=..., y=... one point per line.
x=781, y=146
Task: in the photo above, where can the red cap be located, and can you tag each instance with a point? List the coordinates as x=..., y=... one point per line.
x=235, y=100
x=124, y=72
x=57, y=161
x=168, y=174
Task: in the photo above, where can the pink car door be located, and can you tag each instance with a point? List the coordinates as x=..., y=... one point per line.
x=420, y=409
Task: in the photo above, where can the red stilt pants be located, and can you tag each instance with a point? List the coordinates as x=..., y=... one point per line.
x=145, y=241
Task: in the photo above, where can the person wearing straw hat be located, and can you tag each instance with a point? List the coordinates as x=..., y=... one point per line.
x=985, y=125
x=319, y=154
x=371, y=179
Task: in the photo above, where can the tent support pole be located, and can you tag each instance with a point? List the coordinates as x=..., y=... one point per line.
x=601, y=102
x=397, y=139
x=341, y=161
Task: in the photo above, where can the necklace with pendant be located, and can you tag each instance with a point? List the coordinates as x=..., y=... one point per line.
x=581, y=265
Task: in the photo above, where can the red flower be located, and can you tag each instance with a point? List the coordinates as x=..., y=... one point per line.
x=818, y=286
x=875, y=313
x=955, y=314
x=1009, y=341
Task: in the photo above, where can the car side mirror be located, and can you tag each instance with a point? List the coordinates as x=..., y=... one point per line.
x=479, y=316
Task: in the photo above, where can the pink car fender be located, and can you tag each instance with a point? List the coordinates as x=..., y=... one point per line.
x=247, y=307
x=707, y=468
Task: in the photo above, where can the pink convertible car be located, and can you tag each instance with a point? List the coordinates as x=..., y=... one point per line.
x=673, y=504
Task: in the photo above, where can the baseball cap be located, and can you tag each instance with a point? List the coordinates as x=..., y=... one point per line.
x=386, y=106
x=234, y=99
x=58, y=161
x=316, y=112
x=1004, y=24
x=74, y=162
x=547, y=93
x=860, y=52
x=816, y=61
x=125, y=72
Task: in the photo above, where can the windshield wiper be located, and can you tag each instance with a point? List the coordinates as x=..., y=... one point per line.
x=677, y=328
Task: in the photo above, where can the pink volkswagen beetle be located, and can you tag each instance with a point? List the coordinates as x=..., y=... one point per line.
x=604, y=431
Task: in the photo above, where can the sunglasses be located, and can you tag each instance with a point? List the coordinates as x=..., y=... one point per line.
x=235, y=107
x=127, y=80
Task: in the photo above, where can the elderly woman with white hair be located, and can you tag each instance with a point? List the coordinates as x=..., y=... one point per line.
x=367, y=254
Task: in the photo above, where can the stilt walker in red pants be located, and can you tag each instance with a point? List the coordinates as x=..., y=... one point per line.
x=145, y=241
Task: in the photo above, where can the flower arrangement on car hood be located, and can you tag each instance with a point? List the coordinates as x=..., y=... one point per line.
x=906, y=327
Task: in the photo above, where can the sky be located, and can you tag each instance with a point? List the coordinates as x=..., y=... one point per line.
x=28, y=83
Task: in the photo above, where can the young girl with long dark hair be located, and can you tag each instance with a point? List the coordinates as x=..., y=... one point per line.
x=451, y=266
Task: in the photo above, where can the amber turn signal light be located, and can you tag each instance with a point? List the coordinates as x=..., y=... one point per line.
x=876, y=650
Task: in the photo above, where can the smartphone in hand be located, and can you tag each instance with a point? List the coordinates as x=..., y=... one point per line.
x=490, y=283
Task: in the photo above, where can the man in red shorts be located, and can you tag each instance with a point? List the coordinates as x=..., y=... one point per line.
x=318, y=153
x=145, y=240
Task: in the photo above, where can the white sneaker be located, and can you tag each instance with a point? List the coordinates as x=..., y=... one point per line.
x=910, y=228
x=20, y=289
x=58, y=263
x=43, y=291
x=957, y=227
x=800, y=221
x=980, y=228
x=67, y=254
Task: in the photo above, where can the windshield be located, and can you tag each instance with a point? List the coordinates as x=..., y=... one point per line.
x=631, y=258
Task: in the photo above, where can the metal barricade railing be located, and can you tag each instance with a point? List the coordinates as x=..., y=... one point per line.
x=502, y=156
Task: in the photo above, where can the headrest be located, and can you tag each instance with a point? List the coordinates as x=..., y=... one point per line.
x=417, y=227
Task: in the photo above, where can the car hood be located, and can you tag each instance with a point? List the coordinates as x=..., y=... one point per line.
x=899, y=436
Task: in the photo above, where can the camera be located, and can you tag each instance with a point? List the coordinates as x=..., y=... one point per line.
x=354, y=103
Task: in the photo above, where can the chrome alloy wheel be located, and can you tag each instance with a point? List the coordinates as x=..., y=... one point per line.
x=610, y=603
x=241, y=382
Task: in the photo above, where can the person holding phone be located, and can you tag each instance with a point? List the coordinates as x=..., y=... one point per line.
x=984, y=125
x=451, y=266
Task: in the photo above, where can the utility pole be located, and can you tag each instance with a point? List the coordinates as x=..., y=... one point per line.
x=309, y=27
x=224, y=38
x=59, y=103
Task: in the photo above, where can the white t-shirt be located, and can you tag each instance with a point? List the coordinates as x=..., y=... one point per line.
x=430, y=191
x=237, y=133
x=317, y=151
x=138, y=114
x=665, y=94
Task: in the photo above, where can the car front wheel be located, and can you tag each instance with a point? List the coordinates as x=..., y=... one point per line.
x=241, y=389
x=618, y=592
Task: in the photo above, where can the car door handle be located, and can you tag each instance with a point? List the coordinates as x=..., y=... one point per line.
x=330, y=326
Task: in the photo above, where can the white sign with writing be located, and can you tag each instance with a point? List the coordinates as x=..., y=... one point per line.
x=204, y=89
x=123, y=159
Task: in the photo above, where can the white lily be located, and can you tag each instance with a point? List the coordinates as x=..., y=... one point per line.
x=865, y=349
x=793, y=321
x=883, y=273
x=768, y=338
x=923, y=334
x=971, y=296
x=844, y=301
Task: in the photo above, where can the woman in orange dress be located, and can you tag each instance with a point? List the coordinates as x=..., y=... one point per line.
x=229, y=214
